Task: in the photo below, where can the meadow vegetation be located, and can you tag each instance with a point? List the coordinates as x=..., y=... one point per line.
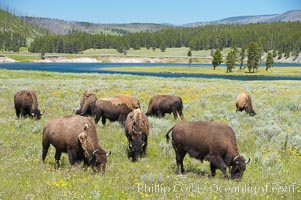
x=271, y=139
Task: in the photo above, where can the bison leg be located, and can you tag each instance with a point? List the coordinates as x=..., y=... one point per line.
x=103, y=120
x=72, y=157
x=45, y=150
x=144, y=146
x=180, y=154
x=97, y=118
x=181, y=114
x=175, y=114
x=219, y=163
x=57, y=158
x=18, y=113
x=122, y=118
x=213, y=169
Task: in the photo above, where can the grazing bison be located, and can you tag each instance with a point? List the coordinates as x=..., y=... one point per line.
x=243, y=102
x=26, y=104
x=136, y=131
x=207, y=140
x=161, y=104
x=115, y=108
x=75, y=135
x=87, y=102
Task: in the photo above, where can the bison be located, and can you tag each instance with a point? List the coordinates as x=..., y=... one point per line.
x=243, y=102
x=75, y=135
x=211, y=141
x=26, y=104
x=87, y=102
x=115, y=108
x=161, y=104
x=136, y=131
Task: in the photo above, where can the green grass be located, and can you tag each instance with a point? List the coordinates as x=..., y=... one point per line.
x=271, y=139
x=276, y=71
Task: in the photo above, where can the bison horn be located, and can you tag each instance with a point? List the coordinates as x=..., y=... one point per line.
x=108, y=153
x=43, y=112
x=248, y=161
x=94, y=153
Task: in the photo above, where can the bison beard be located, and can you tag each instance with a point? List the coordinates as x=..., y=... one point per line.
x=207, y=140
x=136, y=131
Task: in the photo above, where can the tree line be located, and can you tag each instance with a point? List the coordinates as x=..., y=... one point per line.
x=283, y=37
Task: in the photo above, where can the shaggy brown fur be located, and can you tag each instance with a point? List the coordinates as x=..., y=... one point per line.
x=26, y=104
x=131, y=102
x=244, y=102
x=207, y=140
x=75, y=135
x=136, y=131
x=114, y=108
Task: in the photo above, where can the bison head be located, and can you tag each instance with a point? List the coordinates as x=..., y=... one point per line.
x=135, y=149
x=238, y=167
x=98, y=158
x=36, y=113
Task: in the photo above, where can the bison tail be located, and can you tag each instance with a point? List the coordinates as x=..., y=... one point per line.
x=167, y=134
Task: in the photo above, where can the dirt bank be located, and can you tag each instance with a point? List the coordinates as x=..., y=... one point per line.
x=4, y=59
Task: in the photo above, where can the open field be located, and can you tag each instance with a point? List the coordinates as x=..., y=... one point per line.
x=276, y=71
x=271, y=139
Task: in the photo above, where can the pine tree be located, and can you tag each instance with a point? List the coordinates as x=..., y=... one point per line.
x=269, y=62
x=217, y=58
x=242, y=57
x=254, y=53
x=230, y=60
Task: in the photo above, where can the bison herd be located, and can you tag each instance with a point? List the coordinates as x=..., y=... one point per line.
x=76, y=134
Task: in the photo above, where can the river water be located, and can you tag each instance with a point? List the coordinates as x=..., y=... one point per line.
x=97, y=68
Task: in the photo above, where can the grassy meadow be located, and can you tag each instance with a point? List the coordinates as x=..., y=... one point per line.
x=271, y=139
x=221, y=70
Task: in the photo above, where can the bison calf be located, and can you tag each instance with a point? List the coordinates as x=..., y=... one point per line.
x=207, y=140
x=136, y=131
x=26, y=104
x=76, y=136
x=161, y=104
x=244, y=102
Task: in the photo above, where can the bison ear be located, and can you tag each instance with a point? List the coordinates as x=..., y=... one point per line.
x=82, y=137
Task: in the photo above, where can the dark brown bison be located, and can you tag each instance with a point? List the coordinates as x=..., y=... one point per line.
x=243, y=102
x=207, y=140
x=75, y=135
x=26, y=104
x=87, y=102
x=115, y=108
x=136, y=131
x=161, y=104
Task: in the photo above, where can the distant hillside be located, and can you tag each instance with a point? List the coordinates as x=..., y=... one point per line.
x=12, y=23
x=64, y=27
x=294, y=15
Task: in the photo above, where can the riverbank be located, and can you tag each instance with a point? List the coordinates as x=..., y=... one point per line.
x=143, y=55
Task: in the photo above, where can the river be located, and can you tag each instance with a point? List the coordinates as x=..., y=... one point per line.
x=96, y=68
